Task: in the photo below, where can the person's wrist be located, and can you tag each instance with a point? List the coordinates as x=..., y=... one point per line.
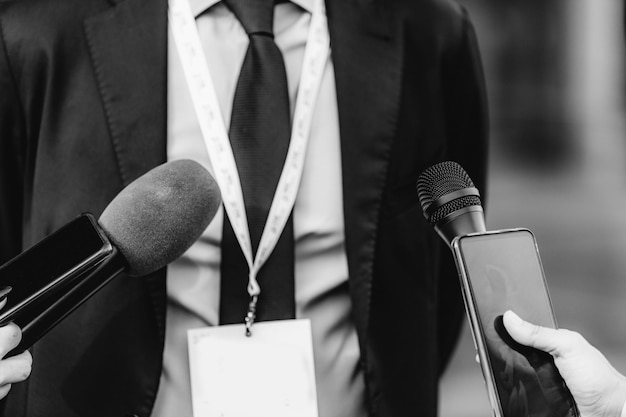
x=620, y=397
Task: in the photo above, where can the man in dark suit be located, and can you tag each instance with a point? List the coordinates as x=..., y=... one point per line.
x=84, y=111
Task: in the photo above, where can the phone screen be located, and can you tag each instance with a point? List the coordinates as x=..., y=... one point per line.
x=51, y=262
x=503, y=272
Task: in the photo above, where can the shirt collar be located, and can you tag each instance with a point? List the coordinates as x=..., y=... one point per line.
x=199, y=6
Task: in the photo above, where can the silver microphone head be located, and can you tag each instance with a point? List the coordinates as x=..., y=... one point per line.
x=450, y=201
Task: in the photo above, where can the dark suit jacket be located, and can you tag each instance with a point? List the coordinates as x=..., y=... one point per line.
x=83, y=113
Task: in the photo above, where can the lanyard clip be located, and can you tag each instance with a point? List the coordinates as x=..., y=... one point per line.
x=251, y=316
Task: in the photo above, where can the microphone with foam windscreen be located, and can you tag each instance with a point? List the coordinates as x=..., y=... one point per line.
x=150, y=223
x=450, y=201
x=157, y=217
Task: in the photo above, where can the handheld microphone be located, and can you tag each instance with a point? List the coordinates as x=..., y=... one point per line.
x=450, y=201
x=157, y=217
x=150, y=223
x=498, y=270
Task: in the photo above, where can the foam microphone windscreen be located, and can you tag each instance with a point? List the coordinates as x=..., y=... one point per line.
x=158, y=216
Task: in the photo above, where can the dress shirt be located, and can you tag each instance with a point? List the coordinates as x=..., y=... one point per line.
x=321, y=265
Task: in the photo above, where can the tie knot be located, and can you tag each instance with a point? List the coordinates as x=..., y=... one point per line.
x=256, y=16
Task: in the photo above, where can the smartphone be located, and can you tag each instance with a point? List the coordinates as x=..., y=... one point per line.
x=501, y=271
x=51, y=265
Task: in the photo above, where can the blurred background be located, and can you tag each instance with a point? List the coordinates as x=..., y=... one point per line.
x=556, y=83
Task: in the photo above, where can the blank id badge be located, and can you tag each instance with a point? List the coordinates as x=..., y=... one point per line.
x=268, y=374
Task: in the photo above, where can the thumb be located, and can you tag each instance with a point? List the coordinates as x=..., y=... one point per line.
x=542, y=338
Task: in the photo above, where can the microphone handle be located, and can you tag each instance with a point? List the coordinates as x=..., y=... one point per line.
x=39, y=318
x=461, y=222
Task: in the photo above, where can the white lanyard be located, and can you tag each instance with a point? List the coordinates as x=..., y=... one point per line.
x=214, y=132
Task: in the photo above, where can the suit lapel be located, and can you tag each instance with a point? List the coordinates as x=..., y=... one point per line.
x=128, y=47
x=129, y=54
x=367, y=57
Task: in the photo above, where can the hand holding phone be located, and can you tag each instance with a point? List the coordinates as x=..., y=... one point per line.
x=499, y=271
x=599, y=390
x=15, y=368
x=502, y=271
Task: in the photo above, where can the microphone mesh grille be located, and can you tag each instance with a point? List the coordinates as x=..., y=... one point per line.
x=452, y=206
x=441, y=179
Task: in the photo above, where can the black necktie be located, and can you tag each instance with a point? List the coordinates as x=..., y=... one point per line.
x=259, y=135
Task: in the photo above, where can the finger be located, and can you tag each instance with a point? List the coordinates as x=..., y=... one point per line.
x=542, y=338
x=16, y=368
x=4, y=390
x=10, y=337
x=4, y=292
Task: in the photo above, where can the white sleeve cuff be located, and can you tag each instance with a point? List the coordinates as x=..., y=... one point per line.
x=623, y=410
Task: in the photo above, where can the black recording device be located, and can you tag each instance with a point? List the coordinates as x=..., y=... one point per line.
x=151, y=222
x=46, y=272
x=499, y=271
